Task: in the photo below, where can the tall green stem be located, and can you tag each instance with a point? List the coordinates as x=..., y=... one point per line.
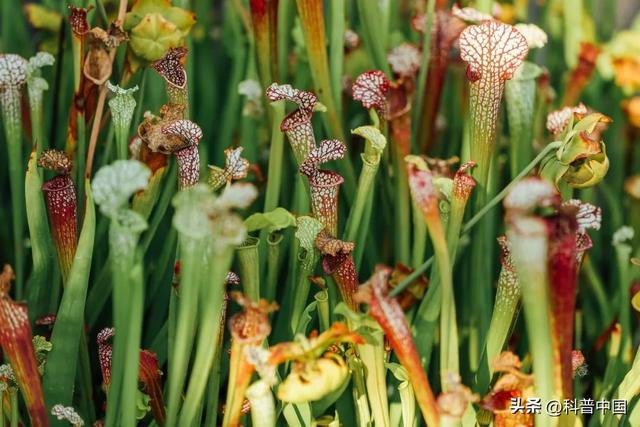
x=212, y=301
x=11, y=117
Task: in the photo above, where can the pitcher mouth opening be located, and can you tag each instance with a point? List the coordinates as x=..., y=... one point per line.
x=58, y=183
x=326, y=179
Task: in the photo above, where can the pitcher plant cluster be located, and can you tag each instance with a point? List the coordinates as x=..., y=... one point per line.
x=319, y=213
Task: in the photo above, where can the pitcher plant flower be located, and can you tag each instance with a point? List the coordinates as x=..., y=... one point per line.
x=155, y=27
x=13, y=75
x=389, y=315
x=318, y=369
x=17, y=347
x=62, y=206
x=619, y=60
x=581, y=161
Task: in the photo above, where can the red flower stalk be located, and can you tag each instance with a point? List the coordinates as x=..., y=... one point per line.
x=581, y=75
x=388, y=313
x=568, y=241
x=297, y=124
x=338, y=262
x=264, y=17
x=324, y=184
x=311, y=13
x=152, y=385
x=187, y=155
x=405, y=63
x=17, y=345
x=563, y=277
x=446, y=30
x=493, y=52
x=62, y=206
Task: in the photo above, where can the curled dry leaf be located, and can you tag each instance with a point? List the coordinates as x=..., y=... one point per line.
x=328, y=245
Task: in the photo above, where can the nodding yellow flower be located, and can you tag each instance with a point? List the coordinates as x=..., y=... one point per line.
x=581, y=161
x=312, y=380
